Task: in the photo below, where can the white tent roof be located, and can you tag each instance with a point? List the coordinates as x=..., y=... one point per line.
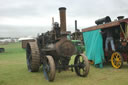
x=20, y=39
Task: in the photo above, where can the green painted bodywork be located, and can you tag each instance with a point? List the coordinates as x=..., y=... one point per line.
x=79, y=46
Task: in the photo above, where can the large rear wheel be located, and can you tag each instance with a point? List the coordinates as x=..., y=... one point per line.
x=33, y=57
x=82, y=65
x=117, y=60
x=49, y=68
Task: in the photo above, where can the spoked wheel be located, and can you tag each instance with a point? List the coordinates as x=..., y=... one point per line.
x=82, y=65
x=33, y=57
x=49, y=68
x=117, y=60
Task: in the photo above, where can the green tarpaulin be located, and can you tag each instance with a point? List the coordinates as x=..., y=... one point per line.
x=94, y=47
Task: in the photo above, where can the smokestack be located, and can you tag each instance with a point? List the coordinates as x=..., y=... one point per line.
x=62, y=19
x=52, y=20
x=75, y=25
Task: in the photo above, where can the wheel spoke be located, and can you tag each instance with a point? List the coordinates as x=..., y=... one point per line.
x=79, y=61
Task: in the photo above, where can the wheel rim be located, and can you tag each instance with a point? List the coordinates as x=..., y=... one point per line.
x=116, y=60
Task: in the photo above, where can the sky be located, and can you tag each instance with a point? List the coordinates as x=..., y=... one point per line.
x=20, y=18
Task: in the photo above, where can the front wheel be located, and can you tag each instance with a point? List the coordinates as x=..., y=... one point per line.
x=117, y=60
x=49, y=68
x=81, y=65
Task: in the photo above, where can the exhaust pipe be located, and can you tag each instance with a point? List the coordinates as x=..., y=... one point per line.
x=75, y=25
x=62, y=19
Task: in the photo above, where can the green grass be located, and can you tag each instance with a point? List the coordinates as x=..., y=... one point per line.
x=13, y=71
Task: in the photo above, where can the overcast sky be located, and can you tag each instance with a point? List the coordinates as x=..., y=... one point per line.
x=29, y=17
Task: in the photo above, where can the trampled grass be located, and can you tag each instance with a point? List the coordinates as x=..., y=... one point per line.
x=13, y=71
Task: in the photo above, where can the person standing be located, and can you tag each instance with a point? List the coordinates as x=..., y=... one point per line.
x=109, y=38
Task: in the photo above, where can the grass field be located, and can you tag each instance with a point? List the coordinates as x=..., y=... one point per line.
x=13, y=71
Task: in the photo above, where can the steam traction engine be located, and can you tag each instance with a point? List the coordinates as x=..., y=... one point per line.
x=53, y=50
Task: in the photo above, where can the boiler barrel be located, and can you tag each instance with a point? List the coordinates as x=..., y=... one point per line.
x=65, y=48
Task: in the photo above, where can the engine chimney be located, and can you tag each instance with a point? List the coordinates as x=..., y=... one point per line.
x=62, y=19
x=75, y=25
